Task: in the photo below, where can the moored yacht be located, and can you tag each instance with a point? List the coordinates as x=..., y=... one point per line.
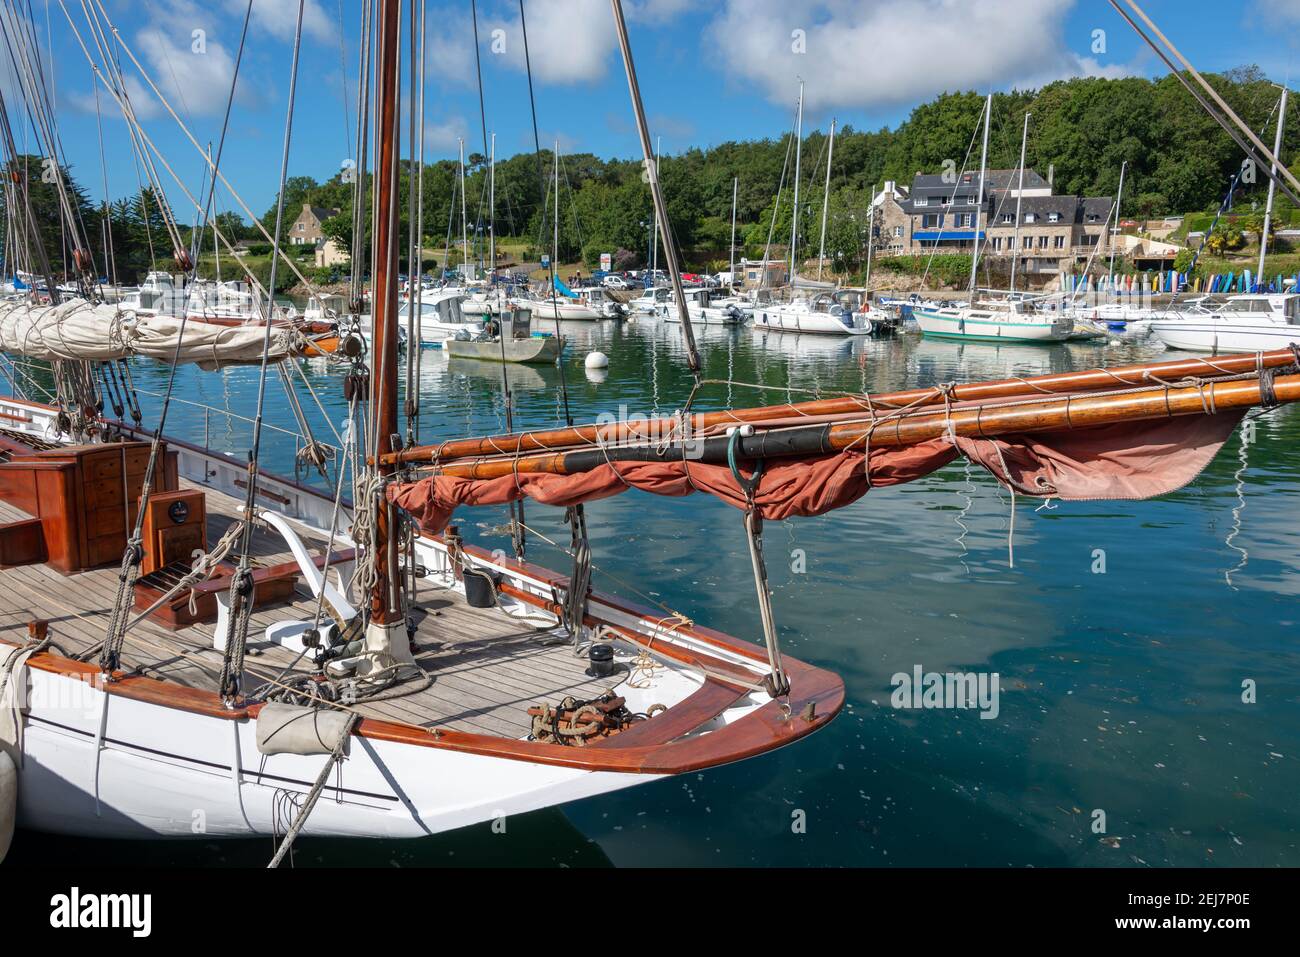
x=1245, y=323
x=560, y=307
x=704, y=308
x=1003, y=320
x=824, y=314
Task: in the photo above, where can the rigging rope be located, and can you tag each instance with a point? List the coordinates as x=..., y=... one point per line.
x=241, y=585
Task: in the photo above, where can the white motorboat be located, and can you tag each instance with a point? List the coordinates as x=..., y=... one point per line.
x=227, y=301
x=561, y=307
x=158, y=295
x=1245, y=323
x=705, y=309
x=439, y=316
x=599, y=300
x=823, y=314
x=650, y=301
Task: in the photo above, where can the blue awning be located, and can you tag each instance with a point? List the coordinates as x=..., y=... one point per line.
x=946, y=235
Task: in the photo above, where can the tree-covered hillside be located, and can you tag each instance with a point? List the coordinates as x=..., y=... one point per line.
x=1178, y=159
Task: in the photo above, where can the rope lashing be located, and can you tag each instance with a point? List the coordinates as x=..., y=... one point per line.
x=776, y=683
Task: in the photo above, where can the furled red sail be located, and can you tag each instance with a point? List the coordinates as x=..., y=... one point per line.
x=1123, y=461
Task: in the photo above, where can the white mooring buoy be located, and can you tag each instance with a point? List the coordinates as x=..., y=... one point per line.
x=597, y=360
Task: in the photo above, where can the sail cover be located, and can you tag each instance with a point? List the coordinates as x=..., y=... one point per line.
x=1125, y=461
x=77, y=329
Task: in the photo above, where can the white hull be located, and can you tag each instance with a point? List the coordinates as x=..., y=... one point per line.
x=564, y=311
x=1207, y=335
x=959, y=324
x=432, y=331
x=160, y=772
x=647, y=304
x=785, y=319
x=707, y=316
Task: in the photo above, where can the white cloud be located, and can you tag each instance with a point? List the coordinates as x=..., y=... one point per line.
x=444, y=137
x=195, y=83
x=569, y=41
x=894, y=51
x=188, y=51
x=648, y=11
x=1287, y=9
x=279, y=17
x=449, y=44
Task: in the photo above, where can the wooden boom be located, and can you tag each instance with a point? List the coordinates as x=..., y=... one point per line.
x=659, y=429
x=984, y=420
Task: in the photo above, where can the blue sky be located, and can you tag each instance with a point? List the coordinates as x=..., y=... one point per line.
x=709, y=71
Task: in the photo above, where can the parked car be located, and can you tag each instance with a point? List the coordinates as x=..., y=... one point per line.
x=615, y=282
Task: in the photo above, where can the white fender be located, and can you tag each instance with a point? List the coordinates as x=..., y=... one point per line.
x=8, y=802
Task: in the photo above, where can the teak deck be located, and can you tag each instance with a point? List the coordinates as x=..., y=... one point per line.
x=487, y=669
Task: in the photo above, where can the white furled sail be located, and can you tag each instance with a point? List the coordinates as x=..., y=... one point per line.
x=77, y=329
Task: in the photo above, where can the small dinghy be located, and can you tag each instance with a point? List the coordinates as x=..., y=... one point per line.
x=521, y=344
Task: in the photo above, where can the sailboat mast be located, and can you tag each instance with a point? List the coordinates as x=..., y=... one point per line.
x=492, y=212
x=1272, y=184
x=798, y=149
x=655, y=264
x=1119, y=198
x=464, y=219
x=979, y=205
x=731, y=262
x=871, y=236
x=1020, y=192
x=826, y=201
x=385, y=599
x=555, y=241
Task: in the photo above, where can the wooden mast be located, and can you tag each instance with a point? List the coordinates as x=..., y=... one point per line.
x=385, y=604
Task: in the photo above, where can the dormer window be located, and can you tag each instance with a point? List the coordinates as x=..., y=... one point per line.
x=1008, y=218
x=922, y=201
x=970, y=200
x=1031, y=217
x=1053, y=217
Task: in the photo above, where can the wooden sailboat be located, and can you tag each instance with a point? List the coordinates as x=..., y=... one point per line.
x=485, y=709
x=146, y=695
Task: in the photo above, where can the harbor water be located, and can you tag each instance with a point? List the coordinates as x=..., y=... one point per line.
x=1146, y=652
